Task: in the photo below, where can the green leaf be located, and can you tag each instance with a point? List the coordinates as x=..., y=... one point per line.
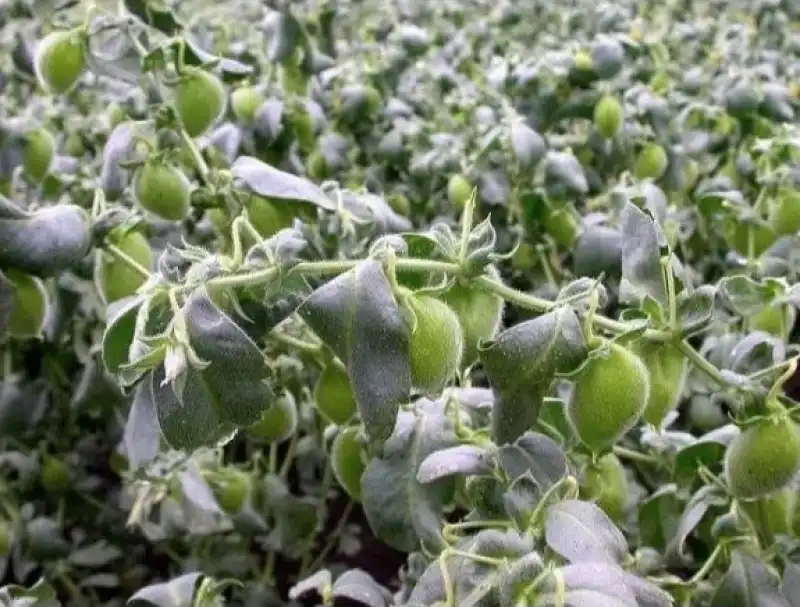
x=600, y=585
x=154, y=13
x=235, y=377
x=598, y=250
x=474, y=584
x=178, y=592
x=749, y=583
x=400, y=510
x=534, y=454
x=582, y=533
x=515, y=580
x=522, y=363
x=695, y=309
x=696, y=508
x=747, y=297
x=641, y=266
x=142, y=435
x=658, y=517
x=264, y=180
x=357, y=316
x=708, y=451
x=467, y=460
x=43, y=242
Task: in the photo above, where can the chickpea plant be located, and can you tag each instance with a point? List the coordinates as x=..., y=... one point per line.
x=506, y=291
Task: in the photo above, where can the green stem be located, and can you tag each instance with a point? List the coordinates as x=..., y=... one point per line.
x=635, y=455
x=333, y=539
x=708, y=565
x=197, y=157
x=298, y=344
x=701, y=363
x=127, y=260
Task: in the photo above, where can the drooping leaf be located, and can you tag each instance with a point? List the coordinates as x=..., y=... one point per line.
x=177, y=592
x=264, y=180
x=694, y=511
x=400, y=510
x=601, y=585
x=534, y=454
x=357, y=316
x=235, y=378
x=582, y=533
x=523, y=361
x=467, y=460
x=191, y=421
x=142, y=435
x=641, y=266
x=45, y=241
x=790, y=584
x=358, y=585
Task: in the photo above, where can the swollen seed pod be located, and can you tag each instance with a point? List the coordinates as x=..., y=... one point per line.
x=609, y=397
x=608, y=116
x=459, y=189
x=59, y=60
x=113, y=277
x=668, y=368
x=40, y=150
x=163, y=190
x=479, y=314
x=30, y=307
x=651, y=162
x=347, y=463
x=604, y=481
x=245, y=102
x=334, y=396
x=763, y=459
x=199, y=100
x=435, y=345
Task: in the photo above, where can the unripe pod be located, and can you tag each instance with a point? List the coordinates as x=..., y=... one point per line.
x=609, y=397
x=459, y=189
x=763, y=459
x=39, y=153
x=608, y=116
x=667, y=367
x=435, y=345
x=651, y=162
x=245, y=102
x=347, y=463
x=60, y=59
x=479, y=314
x=114, y=278
x=605, y=482
x=334, y=396
x=163, y=190
x=200, y=100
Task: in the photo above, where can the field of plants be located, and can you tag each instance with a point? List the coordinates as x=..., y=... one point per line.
x=455, y=303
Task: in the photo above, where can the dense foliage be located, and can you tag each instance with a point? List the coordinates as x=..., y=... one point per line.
x=456, y=303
